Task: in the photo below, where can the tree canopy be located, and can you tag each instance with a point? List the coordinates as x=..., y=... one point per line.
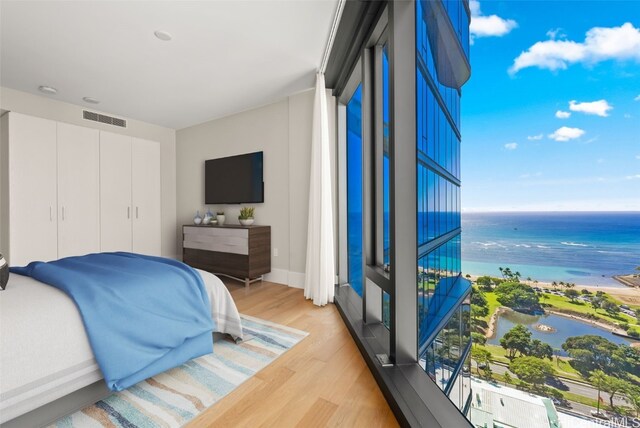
x=517, y=296
x=540, y=349
x=531, y=370
x=572, y=294
x=591, y=352
x=516, y=340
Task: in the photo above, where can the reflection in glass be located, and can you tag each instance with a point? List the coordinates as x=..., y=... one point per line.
x=354, y=190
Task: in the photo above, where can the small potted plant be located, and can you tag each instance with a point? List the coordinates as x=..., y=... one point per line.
x=246, y=216
x=220, y=217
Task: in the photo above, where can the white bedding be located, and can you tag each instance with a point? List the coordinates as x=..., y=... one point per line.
x=44, y=350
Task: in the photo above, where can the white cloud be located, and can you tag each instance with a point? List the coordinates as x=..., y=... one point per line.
x=565, y=134
x=600, y=44
x=637, y=98
x=627, y=116
x=562, y=114
x=528, y=175
x=599, y=108
x=511, y=146
x=488, y=26
x=535, y=137
x=633, y=177
x=600, y=160
x=556, y=33
x=638, y=157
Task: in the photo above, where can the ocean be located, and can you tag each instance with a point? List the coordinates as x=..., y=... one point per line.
x=585, y=248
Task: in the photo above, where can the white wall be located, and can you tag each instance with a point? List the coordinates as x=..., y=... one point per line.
x=281, y=130
x=48, y=108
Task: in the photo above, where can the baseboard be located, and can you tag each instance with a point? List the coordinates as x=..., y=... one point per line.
x=279, y=276
x=285, y=277
x=296, y=279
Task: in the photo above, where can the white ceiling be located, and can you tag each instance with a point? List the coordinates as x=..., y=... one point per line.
x=225, y=56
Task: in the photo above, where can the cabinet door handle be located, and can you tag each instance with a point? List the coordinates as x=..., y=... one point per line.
x=128, y=212
x=63, y=213
x=136, y=212
x=50, y=213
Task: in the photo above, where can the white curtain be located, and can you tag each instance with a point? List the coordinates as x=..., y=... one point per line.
x=320, y=269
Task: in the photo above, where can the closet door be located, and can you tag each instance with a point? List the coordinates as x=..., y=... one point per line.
x=78, y=190
x=32, y=189
x=115, y=192
x=145, y=175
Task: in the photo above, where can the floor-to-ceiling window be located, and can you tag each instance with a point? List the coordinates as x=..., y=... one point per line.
x=402, y=294
x=386, y=237
x=354, y=190
x=444, y=338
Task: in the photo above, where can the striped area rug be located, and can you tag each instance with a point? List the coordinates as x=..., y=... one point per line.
x=173, y=398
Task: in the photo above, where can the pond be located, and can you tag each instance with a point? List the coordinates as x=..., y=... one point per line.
x=561, y=327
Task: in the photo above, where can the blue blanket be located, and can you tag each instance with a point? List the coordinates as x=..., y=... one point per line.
x=143, y=315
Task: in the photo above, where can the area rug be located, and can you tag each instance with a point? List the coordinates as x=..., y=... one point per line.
x=173, y=398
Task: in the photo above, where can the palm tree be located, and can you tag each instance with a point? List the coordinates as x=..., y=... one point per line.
x=554, y=284
x=633, y=396
x=598, y=378
x=501, y=271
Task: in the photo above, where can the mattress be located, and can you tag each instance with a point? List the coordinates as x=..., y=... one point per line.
x=44, y=349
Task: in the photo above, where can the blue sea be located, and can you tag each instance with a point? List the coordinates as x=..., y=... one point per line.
x=585, y=248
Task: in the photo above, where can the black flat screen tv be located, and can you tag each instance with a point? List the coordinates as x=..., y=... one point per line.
x=234, y=180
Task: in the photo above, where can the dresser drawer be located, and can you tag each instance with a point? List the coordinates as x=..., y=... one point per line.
x=215, y=231
x=240, y=252
x=234, y=241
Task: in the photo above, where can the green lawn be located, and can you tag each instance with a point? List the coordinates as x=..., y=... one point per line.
x=562, y=367
x=492, y=303
x=562, y=303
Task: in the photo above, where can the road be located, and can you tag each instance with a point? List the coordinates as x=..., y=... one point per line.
x=574, y=387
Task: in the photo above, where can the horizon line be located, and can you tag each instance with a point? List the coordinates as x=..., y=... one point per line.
x=547, y=211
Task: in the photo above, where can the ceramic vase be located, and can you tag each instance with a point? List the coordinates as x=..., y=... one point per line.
x=197, y=219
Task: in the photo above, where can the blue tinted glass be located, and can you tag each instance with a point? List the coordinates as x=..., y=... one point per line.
x=439, y=284
x=385, y=157
x=354, y=190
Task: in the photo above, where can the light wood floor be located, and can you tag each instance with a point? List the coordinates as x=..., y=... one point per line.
x=322, y=382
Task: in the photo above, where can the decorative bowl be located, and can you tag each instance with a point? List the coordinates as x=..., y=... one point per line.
x=246, y=221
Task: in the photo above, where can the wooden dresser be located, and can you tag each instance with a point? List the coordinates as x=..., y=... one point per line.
x=239, y=252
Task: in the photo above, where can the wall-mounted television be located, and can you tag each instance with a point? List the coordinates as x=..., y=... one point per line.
x=234, y=180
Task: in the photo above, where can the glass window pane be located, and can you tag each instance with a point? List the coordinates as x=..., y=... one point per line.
x=354, y=190
x=385, y=157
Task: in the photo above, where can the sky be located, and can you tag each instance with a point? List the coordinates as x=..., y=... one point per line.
x=551, y=114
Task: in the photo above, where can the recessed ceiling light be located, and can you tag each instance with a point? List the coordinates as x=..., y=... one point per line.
x=91, y=100
x=163, y=35
x=48, y=90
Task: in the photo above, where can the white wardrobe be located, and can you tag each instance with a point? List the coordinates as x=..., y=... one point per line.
x=70, y=190
x=130, y=194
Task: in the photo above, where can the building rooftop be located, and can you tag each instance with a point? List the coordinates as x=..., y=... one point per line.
x=497, y=405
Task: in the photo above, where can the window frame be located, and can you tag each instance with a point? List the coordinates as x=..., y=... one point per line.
x=414, y=398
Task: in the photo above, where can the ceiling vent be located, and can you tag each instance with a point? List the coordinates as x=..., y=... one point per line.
x=102, y=118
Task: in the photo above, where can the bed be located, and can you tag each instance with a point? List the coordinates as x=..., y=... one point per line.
x=45, y=353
